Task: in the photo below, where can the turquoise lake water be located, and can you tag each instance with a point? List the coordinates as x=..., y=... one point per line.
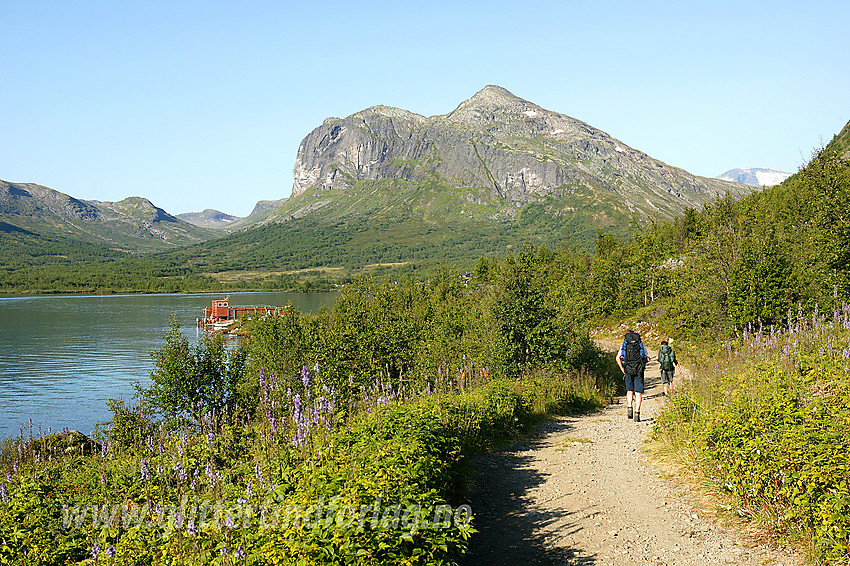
x=63, y=357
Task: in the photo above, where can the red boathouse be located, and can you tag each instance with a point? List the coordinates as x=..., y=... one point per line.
x=221, y=315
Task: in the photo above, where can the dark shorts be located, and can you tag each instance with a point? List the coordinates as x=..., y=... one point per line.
x=667, y=375
x=634, y=383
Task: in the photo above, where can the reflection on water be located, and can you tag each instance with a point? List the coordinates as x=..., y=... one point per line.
x=61, y=358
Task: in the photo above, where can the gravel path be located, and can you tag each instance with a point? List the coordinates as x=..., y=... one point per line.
x=581, y=491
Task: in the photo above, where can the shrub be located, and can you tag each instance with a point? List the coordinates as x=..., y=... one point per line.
x=205, y=380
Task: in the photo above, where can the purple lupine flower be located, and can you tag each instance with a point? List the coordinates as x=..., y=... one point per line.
x=305, y=378
x=193, y=485
x=228, y=521
x=210, y=472
x=258, y=471
x=191, y=529
x=159, y=469
x=95, y=550
x=104, y=449
x=249, y=491
x=4, y=495
x=110, y=551
x=239, y=554
x=150, y=444
x=103, y=480
x=222, y=551
x=144, y=469
x=240, y=501
x=210, y=438
x=181, y=473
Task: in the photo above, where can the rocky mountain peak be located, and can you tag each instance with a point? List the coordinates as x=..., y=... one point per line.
x=512, y=150
x=390, y=112
x=139, y=208
x=489, y=102
x=493, y=95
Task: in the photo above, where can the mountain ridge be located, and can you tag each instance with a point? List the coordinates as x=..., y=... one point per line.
x=131, y=224
x=510, y=152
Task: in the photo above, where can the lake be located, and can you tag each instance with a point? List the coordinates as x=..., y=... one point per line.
x=63, y=357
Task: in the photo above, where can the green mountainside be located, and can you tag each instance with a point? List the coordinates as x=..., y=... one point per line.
x=841, y=141
x=41, y=226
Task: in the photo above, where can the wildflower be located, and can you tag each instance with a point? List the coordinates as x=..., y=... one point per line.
x=95, y=550
x=144, y=469
x=239, y=554
x=181, y=473
x=228, y=521
x=193, y=485
x=191, y=529
x=210, y=438
x=264, y=386
x=4, y=495
x=249, y=491
x=305, y=378
x=222, y=551
x=103, y=480
x=258, y=471
x=159, y=469
x=210, y=472
x=240, y=501
x=110, y=551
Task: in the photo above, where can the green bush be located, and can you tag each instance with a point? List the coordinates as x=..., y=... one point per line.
x=206, y=380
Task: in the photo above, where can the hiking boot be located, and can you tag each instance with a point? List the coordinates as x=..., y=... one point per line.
x=629, y=413
x=637, y=417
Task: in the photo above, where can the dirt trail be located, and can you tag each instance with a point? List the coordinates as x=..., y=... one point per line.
x=582, y=492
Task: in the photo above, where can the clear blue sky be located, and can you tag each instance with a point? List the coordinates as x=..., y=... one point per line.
x=203, y=104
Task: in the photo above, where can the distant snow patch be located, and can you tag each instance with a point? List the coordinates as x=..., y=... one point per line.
x=557, y=131
x=530, y=113
x=755, y=176
x=619, y=149
x=770, y=178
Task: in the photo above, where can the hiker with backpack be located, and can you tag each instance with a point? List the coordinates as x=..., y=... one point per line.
x=667, y=359
x=632, y=359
